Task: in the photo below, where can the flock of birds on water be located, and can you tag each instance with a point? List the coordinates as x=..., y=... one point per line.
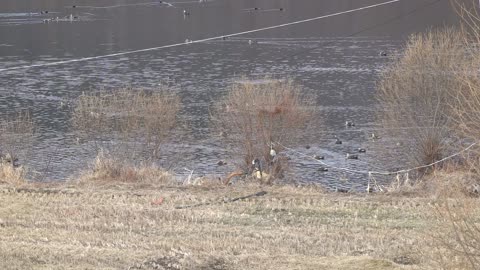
x=186, y=13
x=273, y=154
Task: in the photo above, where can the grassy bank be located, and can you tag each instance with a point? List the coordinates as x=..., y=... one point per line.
x=198, y=227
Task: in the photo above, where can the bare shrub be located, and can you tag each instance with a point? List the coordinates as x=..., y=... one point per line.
x=466, y=99
x=126, y=122
x=415, y=93
x=257, y=117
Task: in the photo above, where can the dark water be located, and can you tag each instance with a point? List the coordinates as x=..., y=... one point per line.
x=335, y=59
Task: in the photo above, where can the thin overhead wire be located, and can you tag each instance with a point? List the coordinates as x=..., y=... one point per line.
x=200, y=40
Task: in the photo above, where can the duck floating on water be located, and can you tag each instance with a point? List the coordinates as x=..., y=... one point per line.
x=374, y=136
x=351, y=156
x=221, y=163
x=317, y=157
x=337, y=140
x=362, y=150
x=349, y=124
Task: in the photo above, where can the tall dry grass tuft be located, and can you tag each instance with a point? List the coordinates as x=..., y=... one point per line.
x=127, y=122
x=415, y=93
x=260, y=116
x=12, y=175
x=107, y=169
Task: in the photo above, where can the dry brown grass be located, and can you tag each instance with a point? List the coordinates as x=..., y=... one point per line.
x=288, y=228
x=15, y=176
x=109, y=170
x=138, y=121
x=455, y=238
x=415, y=93
x=255, y=116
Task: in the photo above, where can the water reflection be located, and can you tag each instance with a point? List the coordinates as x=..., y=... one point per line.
x=338, y=69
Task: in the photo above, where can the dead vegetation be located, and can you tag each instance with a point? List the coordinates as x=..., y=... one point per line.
x=456, y=235
x=142, y=228
x=128, y=123
x=415, y=94
x=109, y=170
x=16, y=138
x=257, y=117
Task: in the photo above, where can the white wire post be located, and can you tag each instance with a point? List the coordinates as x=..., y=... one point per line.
x=369, y=180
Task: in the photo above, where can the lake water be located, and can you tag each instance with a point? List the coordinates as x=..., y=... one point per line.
x=335, y=59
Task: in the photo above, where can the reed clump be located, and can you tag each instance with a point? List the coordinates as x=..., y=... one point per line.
x=128, y=123
x=107, y=169
x=415, y=94
x=259, y=119
x=12, y=175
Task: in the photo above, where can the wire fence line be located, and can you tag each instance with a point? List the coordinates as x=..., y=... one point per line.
x=371, y=180
x=200, y=40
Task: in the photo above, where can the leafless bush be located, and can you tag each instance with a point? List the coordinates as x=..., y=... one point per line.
x=466, y=99
x=126, y=122
x=415, y=93
x=256, y=117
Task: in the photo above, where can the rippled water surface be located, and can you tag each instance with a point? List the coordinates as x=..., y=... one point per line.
x=335, y=59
